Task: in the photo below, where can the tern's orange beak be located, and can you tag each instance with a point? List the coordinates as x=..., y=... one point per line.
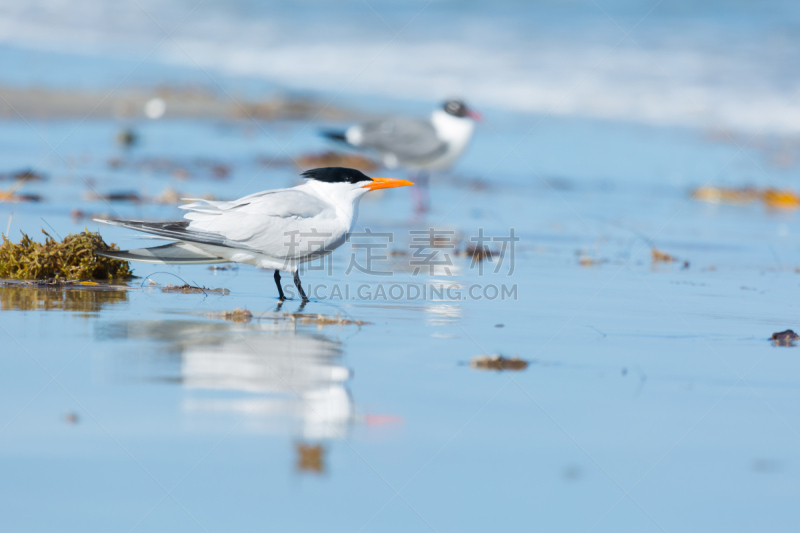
x=385, y=183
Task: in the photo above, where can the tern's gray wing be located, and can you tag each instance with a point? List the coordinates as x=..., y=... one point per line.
x=408, y=140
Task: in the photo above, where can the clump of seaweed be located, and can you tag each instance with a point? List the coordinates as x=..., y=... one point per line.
x=72, y=259
x=720, y=195
x=772, y=198
x=657, y=256
x=323, y=320
x=784, y=338
x=498, y=362
x=191, y=289
x=310, y=457
x=781, y=199
x=12, y=196
x=240, y=316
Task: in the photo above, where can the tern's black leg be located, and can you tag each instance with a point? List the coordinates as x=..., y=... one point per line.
x=299, y=286
x=278, y=283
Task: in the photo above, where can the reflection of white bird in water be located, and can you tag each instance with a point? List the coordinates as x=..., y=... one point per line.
x=274, y=370
x=418, y=145
x=278, y=229
x=299, y=373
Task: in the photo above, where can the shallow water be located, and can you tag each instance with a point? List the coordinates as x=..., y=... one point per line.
x=652, y=400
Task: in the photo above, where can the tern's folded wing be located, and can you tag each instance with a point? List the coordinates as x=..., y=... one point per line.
x=261, y=220
x=282, y=203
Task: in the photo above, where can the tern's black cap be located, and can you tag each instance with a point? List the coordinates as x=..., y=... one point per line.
x=336, y=175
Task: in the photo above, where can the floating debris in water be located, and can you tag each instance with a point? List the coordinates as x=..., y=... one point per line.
x=324, y=320
x=79, y=214
x=73, y=258
x=781, y=199
x=657, y=256
x=12, y=196
x=784, y=338
x=586, y=261
x=191, y=289
x=310, y=457
x=237, y=315
x=773, y=198
x=23, y=175
x=719, y=195
x=216, y=268
x=220, y=171
x=479, y=253
x=127, y=138
x=71, y=418
x=334, y=159
x=498, y=362
x=117, y=196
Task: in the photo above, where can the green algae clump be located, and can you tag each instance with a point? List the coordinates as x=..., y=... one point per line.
x=71, y=259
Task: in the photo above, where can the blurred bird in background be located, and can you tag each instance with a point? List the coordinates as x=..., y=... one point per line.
x=418, y=145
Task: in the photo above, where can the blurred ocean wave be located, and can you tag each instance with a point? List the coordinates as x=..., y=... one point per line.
x=718, y=65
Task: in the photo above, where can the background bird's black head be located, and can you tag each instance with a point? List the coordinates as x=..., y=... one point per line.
x=336, y=175
x=456, y=108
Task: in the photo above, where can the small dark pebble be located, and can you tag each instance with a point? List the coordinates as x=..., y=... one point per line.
x=191, y=289
x=226, y=267
x=310, y=458
x=71, y=418
x=478, y=253
x=127, y=138
x=499, y=325
x=27, y=175
x=498, y=362
x=784, y=338
x=116, y=196
x=220, y=171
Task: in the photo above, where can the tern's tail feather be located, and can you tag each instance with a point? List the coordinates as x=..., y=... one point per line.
x=179, y=253
x=335, y=135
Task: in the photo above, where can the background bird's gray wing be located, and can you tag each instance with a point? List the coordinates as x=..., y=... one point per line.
x=407, y=139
